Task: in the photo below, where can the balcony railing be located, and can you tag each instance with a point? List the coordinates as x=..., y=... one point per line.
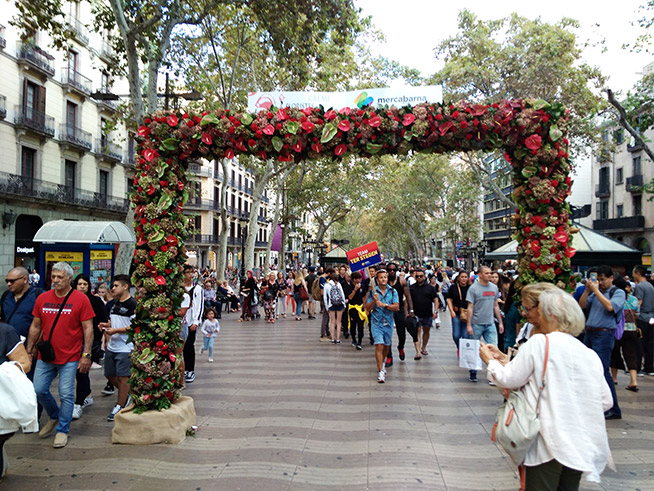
x=3, y=107
x=634, y=147
x=234, y=241
x=199, y=170
x=31, y=188
x=3, y=39
x=199, y=203
x=36, y=57
x=260, y=244
x=106, y=50
x=203, y=239
x=635, y=184
x=34, y=120
x=78, y=29
x=75, y=136
x=75, y=80
x=108, y=150
x=602, y=191
x=623, y=224
x=265, y=199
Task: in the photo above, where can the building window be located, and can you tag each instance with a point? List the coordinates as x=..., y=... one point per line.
x=73, y=58
x=638, y=205
x=637, y=167
x=198, y=224
x=604, y=209
x=604, y=178
x=28, y=162
x=71, y=114
x=619, y=211
x=619, y=136
x=103, y=187
x=69, y=174
x=105, y=82
x=619, y=175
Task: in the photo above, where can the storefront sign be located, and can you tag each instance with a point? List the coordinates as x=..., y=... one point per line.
x=24, y=250
x=646, y=259
x=398, y=97
x=364, y=256
x=101, y=255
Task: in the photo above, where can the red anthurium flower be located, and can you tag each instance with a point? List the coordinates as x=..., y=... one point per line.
x=308, y=126
x=180, y=185
x=331, y=114
x=297, y=147
x=285, y=158
x=172, y=120
x=445, y=127
x=344, y=125
x=408, y=119
x=534, y=142
x=340, y=150
x=143, y=131
x=160, y=280
x=149, y=154
x=570, y=251
x=206, y=138
x=269, y=130
x=172, y=240
x=262, y=155
x=281, y=114
x=172, y=357
x=151, y=190
x=316, y=147
x=561, y=237
x=229, y=153
x=375, y=121
x=478, y=110
x=252, y=143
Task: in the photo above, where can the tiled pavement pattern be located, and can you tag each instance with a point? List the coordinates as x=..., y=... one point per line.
x=279, y=410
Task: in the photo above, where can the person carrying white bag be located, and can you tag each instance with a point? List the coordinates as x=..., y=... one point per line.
x=18, y=408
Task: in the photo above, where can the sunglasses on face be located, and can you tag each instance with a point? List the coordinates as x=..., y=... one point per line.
x=9, y=281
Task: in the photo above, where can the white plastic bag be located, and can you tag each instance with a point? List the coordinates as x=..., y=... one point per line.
x=469, y=354
x=18, y=408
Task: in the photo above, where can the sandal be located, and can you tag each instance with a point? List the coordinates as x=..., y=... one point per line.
x=632, y=388
x=424, y=352
x=417, y=357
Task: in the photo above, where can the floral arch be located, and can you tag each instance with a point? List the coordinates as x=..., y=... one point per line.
x=531, y=133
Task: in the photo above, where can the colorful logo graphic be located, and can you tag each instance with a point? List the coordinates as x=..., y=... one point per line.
x=363, y=100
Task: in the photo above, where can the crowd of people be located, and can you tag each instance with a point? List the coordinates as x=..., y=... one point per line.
x=605, y=327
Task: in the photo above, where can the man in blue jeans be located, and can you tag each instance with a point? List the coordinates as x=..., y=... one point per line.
x=482, y=298
x=73, y=330
x=604, y=304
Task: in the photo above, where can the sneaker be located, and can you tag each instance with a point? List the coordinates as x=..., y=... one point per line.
x=354, y=344
x=473, y=378
x=402, y=356
x=202, y=349
x=641, y=373
x=48, y=428
x=210, y=360
x=190, y=377
x=114, y=411
x=77, y=411
x=389, y=362
x=324, y=339
x=95, y=366
x=491, y=383
x=437, y=325
x=87, y=402
x=338, y=341
x=108, y=390
x=60, y=441
x=651, y=374
x=359, y=347
x=381, y=378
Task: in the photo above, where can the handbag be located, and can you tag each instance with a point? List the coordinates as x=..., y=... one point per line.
x=304, y=294
x=45, y=347
x=469, y=354
x=516, y=422
x=463, y=313
x=18, y=406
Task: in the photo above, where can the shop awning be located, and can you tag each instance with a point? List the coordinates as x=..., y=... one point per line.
x=67, y=232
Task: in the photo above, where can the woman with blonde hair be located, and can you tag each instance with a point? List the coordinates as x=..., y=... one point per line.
x=573, y=396
x=298, y=283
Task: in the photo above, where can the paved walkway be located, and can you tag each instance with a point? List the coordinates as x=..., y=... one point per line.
x=279, y=410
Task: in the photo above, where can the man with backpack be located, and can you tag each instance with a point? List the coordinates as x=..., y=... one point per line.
x=17, y=303
x=603, y=303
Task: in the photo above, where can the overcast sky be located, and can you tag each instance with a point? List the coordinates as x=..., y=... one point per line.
x=413, y=28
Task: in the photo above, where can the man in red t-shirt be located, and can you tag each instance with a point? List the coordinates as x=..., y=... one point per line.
x=73, y=328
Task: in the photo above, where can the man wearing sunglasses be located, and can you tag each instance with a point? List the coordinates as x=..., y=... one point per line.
x=17, y=304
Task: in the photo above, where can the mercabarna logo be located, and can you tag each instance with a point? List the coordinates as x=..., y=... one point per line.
x=363, y=100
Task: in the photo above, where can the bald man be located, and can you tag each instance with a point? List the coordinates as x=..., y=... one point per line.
x=17, y=303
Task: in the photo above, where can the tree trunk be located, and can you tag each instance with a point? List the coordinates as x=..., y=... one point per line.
x=253, y=225
x=221, y=263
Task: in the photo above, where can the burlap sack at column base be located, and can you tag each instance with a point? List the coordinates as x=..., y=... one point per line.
x=166, y=426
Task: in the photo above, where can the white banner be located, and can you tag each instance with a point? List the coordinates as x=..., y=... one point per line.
x=398, y=97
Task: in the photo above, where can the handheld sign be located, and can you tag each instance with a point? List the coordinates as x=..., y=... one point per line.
x=364, y=256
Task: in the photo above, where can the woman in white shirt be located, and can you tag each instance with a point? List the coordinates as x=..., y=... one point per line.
x=572, y=437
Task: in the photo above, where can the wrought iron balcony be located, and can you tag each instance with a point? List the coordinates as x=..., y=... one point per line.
x=3, y=39
x=199, y=170
x=635, y=147
x=620, y=224
x=31, y=189
x=203, y=239
x=234, y=241
x=3, y=107
x=199, y=203
x=36, y=58
x=260, y=244
x=75, y=80
x=106, y=50
x=34, y=120
x=108, y=150
x=602, y=190
x=635, y=184
x=265, y=199
x=75, y=136
x=78, y=29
